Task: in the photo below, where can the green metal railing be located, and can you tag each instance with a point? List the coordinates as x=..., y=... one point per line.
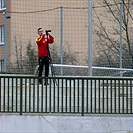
x=77, y=95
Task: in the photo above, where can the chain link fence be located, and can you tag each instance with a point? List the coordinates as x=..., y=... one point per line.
x=112, y=45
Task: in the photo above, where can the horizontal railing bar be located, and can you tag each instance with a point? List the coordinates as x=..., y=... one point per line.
x=68, y=77
x=94, y=67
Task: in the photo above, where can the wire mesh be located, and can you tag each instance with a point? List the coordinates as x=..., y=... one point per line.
x=26, y=18
x=68, y=22
x=108, y=17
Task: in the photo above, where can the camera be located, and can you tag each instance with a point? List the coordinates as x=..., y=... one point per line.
x=47, y=31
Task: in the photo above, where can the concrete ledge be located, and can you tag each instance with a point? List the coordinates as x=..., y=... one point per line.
x=65, y=124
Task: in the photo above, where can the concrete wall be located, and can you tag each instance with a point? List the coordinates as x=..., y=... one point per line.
x=66, y=124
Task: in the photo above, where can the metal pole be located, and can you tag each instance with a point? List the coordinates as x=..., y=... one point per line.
x=90, y=37
x=61, y=38
x=121, y=13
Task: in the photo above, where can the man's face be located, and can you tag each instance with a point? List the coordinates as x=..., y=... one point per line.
x=41, y=32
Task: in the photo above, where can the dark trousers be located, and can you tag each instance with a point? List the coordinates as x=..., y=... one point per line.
x=43, y=61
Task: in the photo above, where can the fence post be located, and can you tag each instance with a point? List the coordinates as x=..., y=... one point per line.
x=121, y=21
x=82, y=97
x=21, y=95
x=90, y=37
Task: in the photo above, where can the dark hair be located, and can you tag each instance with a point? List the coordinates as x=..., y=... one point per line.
x=39, y=29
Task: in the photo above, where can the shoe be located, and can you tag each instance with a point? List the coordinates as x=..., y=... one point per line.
x=46, y=84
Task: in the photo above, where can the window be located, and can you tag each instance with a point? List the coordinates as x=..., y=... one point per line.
x=1, y=35
x=2, y=4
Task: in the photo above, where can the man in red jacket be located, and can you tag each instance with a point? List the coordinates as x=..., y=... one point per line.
x=43, y=42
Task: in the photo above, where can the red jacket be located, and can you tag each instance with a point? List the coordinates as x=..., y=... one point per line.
x=42, y=45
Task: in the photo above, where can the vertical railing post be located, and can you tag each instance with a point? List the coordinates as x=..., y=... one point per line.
x=82, y=97
x=0, y=94
x=131, y=96
x=21, y=84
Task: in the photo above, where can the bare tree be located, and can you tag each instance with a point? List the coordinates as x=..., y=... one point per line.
x=19, y=55
x=107, y=29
